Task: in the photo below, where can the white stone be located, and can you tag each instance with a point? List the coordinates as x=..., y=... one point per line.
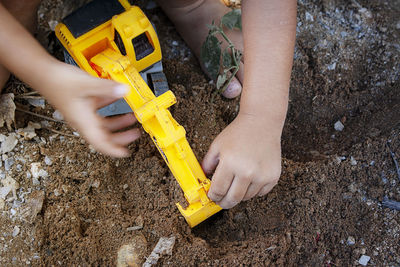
x=364, y=259
x=15, y=231
x=353, y=162
x=339, y=126
x=57, y=115
x=48, y=161
x=9, y=143
x=351, y=241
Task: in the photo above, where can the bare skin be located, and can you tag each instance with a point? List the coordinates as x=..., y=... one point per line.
x=245, y=158
x=75, y=93
x=26, y=13
x=191, y=18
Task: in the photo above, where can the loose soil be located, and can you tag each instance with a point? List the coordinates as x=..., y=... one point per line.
x=346, y=68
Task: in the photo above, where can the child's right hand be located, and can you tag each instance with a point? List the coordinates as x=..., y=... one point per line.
x=77, y=95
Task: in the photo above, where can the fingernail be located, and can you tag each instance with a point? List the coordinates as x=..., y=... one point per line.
x=121, y=90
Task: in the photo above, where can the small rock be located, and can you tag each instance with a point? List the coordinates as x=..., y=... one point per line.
x=33, y=206
x=398, y=25
x=29, y=131
x=96, y=184
x=37, y=102
x=339, y=126
x=351, y=241
x=48, y=161
x=2, y=204
x=57, y=115
x=37, y=171
x=332, y=67
x=15, y=231
x=364, y=259
x=9, y=143
x=309, y=17
x=353, y=162
x=57, y=192
x=174, y=43
x=8, y=163
x=132, y=254
x=9, y=185
x=164, y=247
x=125, y=186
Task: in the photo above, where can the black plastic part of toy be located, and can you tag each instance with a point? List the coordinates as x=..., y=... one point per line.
x=68, y=58
x=142, y=46
x=92, y=15
x=118, y=41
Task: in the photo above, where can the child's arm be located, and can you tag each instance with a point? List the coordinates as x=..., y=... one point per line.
x=247, y=154
x=76, y=94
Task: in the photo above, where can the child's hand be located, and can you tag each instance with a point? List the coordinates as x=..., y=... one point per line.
x=247, y=158
x=78, y=96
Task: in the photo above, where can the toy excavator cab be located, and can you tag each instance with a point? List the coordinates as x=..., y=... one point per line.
x=111, y=39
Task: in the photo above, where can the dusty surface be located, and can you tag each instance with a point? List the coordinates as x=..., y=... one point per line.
x=326, y=210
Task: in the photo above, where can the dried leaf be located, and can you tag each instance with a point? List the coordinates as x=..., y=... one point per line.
x=211, y=56
x=233, y=19
x=7, y=110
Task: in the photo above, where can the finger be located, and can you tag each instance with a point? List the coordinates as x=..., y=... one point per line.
x=101, y=102
x=125, y=138
x=220, y=183
x=100, y=137
x=106, y=88
x=119, y=122
x=235, y=194
x=210, y=160
x=252, y=191
x=265, y=190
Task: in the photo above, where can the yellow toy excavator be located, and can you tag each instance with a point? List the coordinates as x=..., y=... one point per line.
x=111, y=39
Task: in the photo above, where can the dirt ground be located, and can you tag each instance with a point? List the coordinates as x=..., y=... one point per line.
x=77, y=208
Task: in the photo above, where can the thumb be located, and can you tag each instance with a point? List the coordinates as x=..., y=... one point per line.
x=107, y=88
x=210, y=160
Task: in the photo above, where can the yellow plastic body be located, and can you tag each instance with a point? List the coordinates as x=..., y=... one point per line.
x=97, y=53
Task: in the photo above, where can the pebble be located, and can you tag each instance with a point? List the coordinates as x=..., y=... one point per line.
x=174, y=43
x=40, y=102
x=57, y=115
x=353, y=162
x=351, y=241
x=339, y=126
x=9, y=143
x=364, y=259
x=57, y=192
x=15, y=231
x=48, y=161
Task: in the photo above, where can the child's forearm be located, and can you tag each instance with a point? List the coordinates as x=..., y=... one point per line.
x=269, y=29
x=21, y=54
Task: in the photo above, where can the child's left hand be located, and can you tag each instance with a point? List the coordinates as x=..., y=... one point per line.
x=246, y=157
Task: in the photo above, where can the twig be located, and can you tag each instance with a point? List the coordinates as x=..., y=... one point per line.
x=28, y=94
x=396, y=164
x=59, y=132
x=391, y=204
x=28, y=97
x=38, y=115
